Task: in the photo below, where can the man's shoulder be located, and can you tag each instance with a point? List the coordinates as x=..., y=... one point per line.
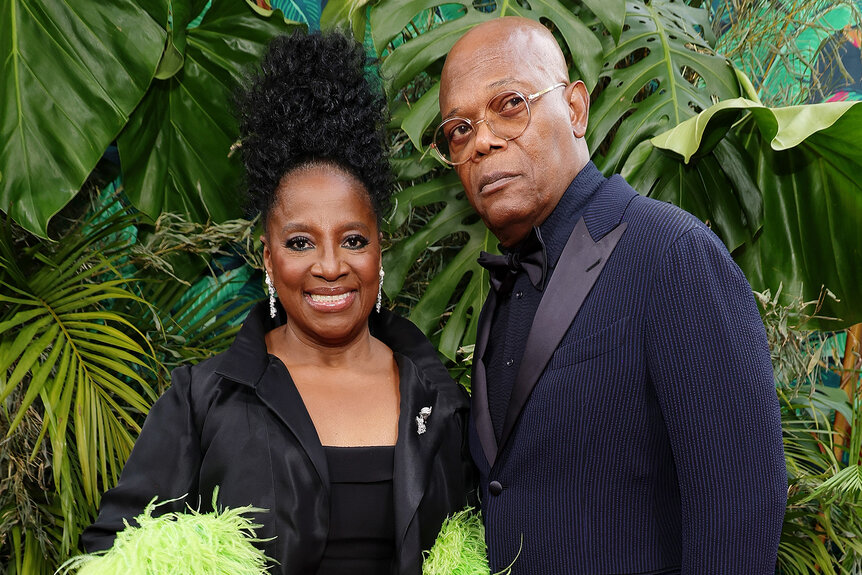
x=645, y=216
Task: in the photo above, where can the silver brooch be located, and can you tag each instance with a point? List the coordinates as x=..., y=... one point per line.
x=421, y=419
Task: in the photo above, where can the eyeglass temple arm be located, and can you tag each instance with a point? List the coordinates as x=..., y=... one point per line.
x=532, y=97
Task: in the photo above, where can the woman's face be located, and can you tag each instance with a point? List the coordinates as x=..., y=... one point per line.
x=322, y=252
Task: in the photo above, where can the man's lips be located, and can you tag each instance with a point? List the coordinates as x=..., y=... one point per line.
x=492, y=182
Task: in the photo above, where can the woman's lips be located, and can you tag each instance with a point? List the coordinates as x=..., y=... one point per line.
x=330, y=302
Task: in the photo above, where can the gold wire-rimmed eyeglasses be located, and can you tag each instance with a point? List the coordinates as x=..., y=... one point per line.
x=507, y=115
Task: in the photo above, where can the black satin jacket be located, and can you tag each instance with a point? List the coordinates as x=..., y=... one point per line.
x=237, y=421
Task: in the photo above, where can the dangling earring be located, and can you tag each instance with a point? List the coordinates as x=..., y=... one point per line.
x=380, y=289
x=271, y=291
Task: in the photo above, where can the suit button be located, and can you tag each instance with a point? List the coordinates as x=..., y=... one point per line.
x=495, y=488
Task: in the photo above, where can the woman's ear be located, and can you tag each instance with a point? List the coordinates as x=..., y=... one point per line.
x=267, y=256
x=579, y=108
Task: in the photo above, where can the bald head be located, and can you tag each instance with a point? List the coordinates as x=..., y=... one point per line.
x=515, y=183
x=526, y=42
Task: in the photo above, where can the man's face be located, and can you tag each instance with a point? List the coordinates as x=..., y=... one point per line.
x=513, y=184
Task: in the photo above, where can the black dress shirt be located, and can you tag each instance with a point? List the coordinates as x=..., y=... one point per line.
x=515, y=312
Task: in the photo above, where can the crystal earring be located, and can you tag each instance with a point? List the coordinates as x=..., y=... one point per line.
x=380, y=290
x=271, y=291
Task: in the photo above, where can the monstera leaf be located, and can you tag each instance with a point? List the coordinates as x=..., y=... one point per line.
x=175, y=150
x=661, y=72
x=71, y=75
x=456, y=216
x=805, y=161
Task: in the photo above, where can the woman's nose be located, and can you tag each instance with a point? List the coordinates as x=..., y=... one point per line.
x=329, y=265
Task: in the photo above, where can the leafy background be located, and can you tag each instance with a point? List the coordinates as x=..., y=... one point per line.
x=123, y=254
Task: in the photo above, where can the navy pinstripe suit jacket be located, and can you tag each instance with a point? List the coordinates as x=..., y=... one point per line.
x=643, y=433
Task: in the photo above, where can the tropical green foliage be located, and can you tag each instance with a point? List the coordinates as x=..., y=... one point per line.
x=805, y=160
x=785, y=47
x=71, y=76
x=76, y=79
x=824, y=510
x=88, y=330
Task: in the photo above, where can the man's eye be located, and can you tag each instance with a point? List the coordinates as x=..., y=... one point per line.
x=355, y=242
x=511, y=104
x=298, y=244
x=459, y=133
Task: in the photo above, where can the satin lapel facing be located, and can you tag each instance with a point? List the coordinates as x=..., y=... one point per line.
x=480, y=410
x=280, y=394
x=413, y=451
x=578, y=269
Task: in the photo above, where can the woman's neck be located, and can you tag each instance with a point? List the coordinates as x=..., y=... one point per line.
x=297, y=349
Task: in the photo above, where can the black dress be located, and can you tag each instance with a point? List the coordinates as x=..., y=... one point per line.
x=362, y=512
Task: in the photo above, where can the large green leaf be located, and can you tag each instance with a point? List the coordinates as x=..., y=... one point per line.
x=405, y=62
x=661, y=72
x=71, y=75
x=806, y=161
x=175, y=150
x=456, y=216
x=346, y=15
x=720, y=189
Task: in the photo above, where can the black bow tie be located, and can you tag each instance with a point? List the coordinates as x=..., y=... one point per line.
x=529, y=257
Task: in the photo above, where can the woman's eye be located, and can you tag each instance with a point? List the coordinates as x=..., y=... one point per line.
x=298, y=244
x=355, y=242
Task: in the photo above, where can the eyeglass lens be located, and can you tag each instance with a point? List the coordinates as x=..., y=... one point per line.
x=506, y=115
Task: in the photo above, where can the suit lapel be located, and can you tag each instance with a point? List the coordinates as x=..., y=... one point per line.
x=579, y=266
x=481, y=412
x=277, y=390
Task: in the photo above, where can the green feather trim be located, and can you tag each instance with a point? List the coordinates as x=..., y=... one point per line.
x=459, y=548
x=217, y=543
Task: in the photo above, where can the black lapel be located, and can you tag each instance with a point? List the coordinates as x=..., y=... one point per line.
x=413, y=451
x=247, y=362
x=479, y=383
x=278, y=392
x=578, y=269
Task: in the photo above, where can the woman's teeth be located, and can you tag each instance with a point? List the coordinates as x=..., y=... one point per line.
x=328, y=298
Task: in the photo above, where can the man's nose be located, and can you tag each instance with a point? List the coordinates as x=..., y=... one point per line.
x=485, y=139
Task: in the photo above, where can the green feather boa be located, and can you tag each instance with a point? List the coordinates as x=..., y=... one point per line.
x=217, y=543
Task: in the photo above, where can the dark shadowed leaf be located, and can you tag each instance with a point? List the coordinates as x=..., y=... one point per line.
x=175, y=148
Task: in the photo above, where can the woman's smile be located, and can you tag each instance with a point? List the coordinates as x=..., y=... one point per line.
x=330, y=302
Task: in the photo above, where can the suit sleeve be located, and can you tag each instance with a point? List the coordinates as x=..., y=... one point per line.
x=164, y=464
x=710, y=364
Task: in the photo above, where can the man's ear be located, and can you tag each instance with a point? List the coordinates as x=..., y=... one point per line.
x=579, y=107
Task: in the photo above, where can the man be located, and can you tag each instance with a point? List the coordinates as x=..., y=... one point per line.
x=624, y=416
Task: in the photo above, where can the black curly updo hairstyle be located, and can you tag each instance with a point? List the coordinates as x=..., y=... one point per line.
x=310, y=104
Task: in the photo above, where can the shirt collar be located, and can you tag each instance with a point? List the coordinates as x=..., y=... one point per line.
x=558, y=226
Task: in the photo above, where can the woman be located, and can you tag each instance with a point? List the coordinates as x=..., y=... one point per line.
x=336, y=417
